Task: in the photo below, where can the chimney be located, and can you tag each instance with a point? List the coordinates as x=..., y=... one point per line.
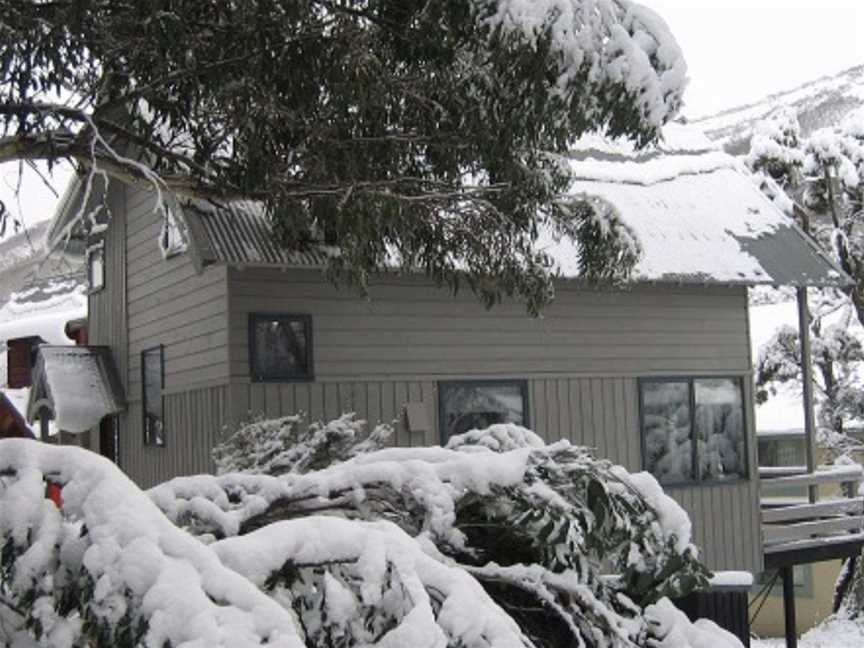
x=21, y=353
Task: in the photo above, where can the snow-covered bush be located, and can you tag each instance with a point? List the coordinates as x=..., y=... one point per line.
x=288, y=444
x=838, y=360
x=496, y=540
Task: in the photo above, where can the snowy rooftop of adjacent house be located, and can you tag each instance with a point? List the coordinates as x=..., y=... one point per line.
x=695, y=212
x=79, y=384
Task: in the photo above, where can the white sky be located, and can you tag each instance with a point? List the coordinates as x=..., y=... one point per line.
x=738, y=51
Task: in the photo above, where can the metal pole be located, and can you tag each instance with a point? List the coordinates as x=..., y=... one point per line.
x=789, y=607
x=807, y=382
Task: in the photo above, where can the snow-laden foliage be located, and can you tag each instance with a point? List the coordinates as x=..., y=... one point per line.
x=109, y=569
x=838, y=363
x=497, y=540
x=536, y=525
x=288, y=444
x=394, y=129
x=820, y=182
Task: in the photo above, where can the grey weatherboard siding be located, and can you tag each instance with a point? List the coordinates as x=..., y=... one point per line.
x=581, y=361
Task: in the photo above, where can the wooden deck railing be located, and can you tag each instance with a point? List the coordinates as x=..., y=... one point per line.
x=792, y=522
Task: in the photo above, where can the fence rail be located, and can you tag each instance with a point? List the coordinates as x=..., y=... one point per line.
x=793, y=522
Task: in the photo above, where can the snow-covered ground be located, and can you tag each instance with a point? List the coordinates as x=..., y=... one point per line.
x=833, y=633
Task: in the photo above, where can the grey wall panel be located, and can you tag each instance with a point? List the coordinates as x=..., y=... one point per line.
x=410, y=329
x=170, y=304
x=599, y=412
x=107, y=308
x=193, y=425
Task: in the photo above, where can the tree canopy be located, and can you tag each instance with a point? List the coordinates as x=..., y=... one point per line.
x=426, y=134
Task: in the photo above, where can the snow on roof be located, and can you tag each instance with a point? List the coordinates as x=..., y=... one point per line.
x=694, y=210
x=79, y=384
x=696, y=213
x=12, y=423
x=43, y=309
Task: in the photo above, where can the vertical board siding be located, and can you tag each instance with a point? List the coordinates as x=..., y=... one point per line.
x=599, y=412
x=193, y=425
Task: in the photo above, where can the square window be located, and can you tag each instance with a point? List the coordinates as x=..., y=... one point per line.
x=473, y=405
x=153, y=381
x=693, y=430
x=96, y=267
x=280, y=347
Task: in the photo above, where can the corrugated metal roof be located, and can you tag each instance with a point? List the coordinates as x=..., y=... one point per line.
x=696, y=214
x=239, y=233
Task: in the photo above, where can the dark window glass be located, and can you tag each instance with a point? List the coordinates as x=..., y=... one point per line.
x=667, y=431
x=152, y=374
x=468, y=406
x=693, y=429
x=281, y=347
x=719, y=429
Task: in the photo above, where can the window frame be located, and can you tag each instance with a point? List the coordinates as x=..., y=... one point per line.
x=93, y=249
x=173, y=216
x=259, y=377
x=691, y=380
x=522, y=383
x=148, y=439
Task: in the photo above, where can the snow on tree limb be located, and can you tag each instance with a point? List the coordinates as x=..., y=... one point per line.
x=445, y=605
x=110, y=555
x=496, y=541
x=417, y=131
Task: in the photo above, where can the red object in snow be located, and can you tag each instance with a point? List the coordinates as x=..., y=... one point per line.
x=52, y=492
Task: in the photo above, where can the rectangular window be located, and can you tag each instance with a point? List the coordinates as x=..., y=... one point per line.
x=473, y=405
x=280, y=347
x=96, y=267
x=153, y=381
x=172, y=237
x=693, y=429
x=802, y=580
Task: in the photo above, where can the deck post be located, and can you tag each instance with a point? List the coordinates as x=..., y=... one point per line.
x=789, y=606
x=44, y=418
x=807, y=383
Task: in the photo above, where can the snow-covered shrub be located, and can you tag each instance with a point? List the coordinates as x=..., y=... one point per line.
x=838, y=360
x=529, y=521
x=108, y=569
x=497, y=540
x=289, y=444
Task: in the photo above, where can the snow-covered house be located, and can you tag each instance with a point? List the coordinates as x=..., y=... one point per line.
x=42, y=300
x=210, y=322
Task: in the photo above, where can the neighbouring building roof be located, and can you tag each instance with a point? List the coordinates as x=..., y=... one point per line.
x=78, y=384
x=696, y=213
x=12, y=424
